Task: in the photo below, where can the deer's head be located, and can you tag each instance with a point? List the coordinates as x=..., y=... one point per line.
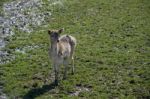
x=55, y=34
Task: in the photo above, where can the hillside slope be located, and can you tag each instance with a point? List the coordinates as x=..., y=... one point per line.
x=111, y=59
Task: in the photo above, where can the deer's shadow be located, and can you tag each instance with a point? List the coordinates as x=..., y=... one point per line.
x=33, y=93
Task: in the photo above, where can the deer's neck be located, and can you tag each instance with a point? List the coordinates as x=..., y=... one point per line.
x=54, y=47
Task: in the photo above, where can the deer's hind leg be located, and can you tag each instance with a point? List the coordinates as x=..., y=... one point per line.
x=72, y=63
x=72, y=59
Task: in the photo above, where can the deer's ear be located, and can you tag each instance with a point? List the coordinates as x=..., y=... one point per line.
x=61, y=30
x=49, y=31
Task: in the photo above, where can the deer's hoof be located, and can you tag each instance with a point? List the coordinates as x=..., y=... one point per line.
x=64, y=78
x=72, y=73
x=56, y=82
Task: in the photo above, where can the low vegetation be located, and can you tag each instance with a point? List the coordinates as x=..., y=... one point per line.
x=112, y=57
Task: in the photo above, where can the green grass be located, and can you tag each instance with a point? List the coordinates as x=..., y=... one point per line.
x=1, y=5
x=2, y=2
x=112, y=56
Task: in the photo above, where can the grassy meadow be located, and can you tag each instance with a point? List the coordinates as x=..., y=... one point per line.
x=112, y=58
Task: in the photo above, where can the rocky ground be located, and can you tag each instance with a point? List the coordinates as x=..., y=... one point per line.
x=22, y=15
